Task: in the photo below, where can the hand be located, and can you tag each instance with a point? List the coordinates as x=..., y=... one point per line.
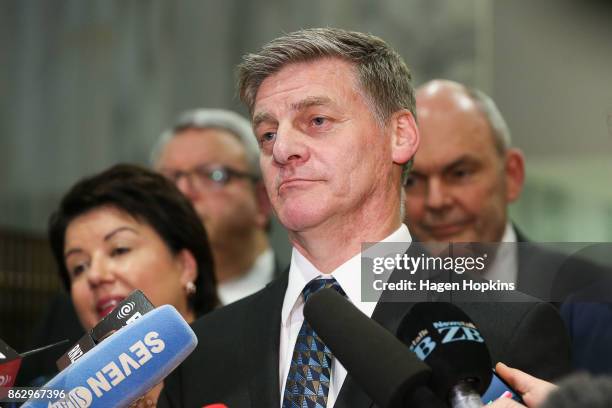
x=505, y=403
x=533, y=390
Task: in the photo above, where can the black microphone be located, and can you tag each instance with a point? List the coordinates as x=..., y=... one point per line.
x=10, y=363
x=445, y=338
x=377, y=360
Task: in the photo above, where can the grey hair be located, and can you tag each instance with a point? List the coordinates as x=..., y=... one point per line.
x=382, y=74
x=499, y=128
x=215, y=119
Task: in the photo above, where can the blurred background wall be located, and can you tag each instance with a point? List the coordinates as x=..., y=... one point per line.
x=84, y=85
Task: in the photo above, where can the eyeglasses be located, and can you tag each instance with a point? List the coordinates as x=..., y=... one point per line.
x=208, y=176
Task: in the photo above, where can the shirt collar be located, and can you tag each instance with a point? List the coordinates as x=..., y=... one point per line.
x=505, y=264
x=302, y=271
x=509, y=233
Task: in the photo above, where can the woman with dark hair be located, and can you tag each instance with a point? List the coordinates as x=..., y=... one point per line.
x=128, y=228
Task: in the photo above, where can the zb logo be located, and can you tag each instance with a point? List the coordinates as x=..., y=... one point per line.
x=450, y=333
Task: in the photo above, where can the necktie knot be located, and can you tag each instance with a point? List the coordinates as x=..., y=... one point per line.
x=316, y=285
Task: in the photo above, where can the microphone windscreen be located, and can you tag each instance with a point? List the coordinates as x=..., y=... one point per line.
x=374, y=358
x=125, y=365
x=445, y=338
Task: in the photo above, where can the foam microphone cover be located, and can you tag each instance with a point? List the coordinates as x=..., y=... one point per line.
x=125, y=365
x=446, y=338
x=374, y=358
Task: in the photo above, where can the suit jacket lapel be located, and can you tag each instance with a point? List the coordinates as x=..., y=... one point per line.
x=262, y=334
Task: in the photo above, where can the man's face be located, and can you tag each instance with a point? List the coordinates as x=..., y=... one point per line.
x=228, y=211
x=322, y=151
x=460, y=185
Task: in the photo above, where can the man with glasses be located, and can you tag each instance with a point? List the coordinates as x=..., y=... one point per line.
x=212, y=157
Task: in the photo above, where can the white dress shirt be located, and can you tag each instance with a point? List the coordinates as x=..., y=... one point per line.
x=505, y=264
x=301, y=271
x=260, y=274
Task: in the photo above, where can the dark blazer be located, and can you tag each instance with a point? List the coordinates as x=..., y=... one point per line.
x=236, y=361
x=553, y=276
x=588, y=317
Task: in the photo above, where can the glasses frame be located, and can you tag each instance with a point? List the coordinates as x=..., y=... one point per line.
x=216, y=175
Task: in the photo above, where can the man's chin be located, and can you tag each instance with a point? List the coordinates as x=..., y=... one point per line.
x=299, y=220
x=458, y=236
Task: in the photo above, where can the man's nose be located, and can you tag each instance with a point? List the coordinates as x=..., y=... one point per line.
x=437, y=194
x=290, y=146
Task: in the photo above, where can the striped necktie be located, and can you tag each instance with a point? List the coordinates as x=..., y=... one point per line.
x=309, y=374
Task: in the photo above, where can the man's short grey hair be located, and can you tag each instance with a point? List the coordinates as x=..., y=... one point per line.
x=499, y=128
x=213, y=119
x=382, y=74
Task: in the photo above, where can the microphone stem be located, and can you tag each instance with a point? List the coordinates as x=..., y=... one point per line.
x=464, y=396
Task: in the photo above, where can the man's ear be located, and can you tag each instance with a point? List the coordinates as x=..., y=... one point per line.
x=264, y=208
x=515, y=174
x=189, y=266
x=404, y=136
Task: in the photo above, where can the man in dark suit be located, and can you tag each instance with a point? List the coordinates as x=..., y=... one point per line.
x=334, y=115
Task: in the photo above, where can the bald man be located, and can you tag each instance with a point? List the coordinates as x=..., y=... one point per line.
x=465, y=175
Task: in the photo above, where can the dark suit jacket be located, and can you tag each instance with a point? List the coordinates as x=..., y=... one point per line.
x=236, y=361
x=588, y=316
x=553, y=276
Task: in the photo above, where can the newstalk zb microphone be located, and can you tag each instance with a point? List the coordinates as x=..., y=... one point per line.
x=445, y=338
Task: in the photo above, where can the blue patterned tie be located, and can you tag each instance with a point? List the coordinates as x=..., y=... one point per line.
x=308, y=379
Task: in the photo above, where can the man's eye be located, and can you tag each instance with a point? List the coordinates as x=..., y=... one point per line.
x=409, y=182
x=318, y=121
x=460, y=173
x=268, y=137
x=413, y=181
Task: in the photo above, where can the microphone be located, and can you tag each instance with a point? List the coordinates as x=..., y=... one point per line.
x=126, y=312
x=125, y=365
x=390, y=373
x=445, y=338
x=10, y=361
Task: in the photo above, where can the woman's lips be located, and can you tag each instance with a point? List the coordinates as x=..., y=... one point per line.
x=106, y=305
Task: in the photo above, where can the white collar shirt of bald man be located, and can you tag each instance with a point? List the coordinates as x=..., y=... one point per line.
x=505, y=265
